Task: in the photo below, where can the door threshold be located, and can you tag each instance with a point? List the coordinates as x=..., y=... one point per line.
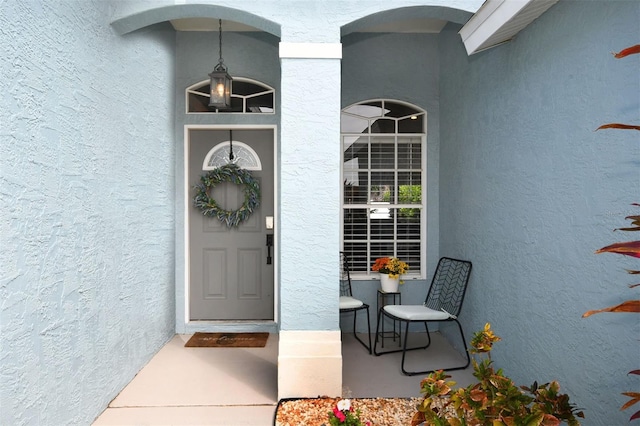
x=231, y=326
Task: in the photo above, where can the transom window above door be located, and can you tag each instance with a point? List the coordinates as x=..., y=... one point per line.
x=383, y=185
x=247, y=97
x=243, y=155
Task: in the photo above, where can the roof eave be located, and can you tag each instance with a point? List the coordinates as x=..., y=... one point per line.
x=498, y=21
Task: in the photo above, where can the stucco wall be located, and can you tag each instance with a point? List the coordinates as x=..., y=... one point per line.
x=529, y=191
x=86, y=192
x=309, y=204
x=293, y=20
x=526, y=190
x=403, y=67
x=309, y=122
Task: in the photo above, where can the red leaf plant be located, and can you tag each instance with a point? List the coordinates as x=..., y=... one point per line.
x=630, y=248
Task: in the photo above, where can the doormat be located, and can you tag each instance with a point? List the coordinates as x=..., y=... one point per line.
x=227, y=340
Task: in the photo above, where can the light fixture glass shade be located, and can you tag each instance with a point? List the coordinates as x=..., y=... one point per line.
x=220, y=88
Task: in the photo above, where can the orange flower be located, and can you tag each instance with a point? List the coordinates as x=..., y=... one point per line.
x=381, y=263
x=392, y=266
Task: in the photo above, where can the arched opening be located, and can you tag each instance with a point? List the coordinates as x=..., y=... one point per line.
x=136, y=21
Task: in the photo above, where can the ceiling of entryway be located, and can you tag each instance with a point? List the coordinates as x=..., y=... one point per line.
x=417, y=25
x=495, y=22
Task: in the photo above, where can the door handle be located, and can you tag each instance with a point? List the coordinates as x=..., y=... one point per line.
x=269, y=245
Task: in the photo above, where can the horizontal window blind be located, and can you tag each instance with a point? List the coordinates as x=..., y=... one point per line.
x=383, y=193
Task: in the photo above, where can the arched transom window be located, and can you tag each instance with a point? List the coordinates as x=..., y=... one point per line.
x=243, y=155
x=384, y=184
x=247, y=97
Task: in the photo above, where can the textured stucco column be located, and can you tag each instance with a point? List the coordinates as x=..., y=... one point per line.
x=309, y=359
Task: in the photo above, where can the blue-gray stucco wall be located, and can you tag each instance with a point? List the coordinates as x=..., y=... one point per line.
x=525, y=189
x=86, y=192
x=528, y=192
x=402, y=67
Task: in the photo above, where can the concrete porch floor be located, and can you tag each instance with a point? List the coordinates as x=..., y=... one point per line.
x=238, y=386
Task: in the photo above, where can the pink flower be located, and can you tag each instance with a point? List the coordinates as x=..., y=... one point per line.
x=339, y=414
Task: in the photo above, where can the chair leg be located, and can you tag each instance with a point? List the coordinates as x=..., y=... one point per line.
x=369, y=329
x=375, y=340
x=404, y=348
x=382, y=314
x=466, y=350
x=375, y=344
x=461, y=367
x=355, y=317
x=426, y=330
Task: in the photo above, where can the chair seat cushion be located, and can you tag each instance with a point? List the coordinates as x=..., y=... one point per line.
x=416, y=313
x=347, y=302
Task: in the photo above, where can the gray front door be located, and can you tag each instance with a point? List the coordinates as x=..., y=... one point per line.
x=230, y=277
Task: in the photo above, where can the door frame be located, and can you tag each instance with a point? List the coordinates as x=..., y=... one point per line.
x=223, y=325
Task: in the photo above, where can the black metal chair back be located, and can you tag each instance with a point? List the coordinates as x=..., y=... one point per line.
x=449, y=285
x=345, y=276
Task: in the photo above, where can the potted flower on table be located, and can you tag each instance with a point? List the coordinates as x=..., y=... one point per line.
x=390, y=269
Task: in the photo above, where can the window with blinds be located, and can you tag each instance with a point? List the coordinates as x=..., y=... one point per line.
x=383, y=191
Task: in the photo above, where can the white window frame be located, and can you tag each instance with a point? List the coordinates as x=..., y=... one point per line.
x=368, y=275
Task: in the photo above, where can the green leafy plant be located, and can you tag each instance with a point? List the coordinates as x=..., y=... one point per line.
x=409, y=194
x=495, y=400
x=629, y=248
x=343, y=415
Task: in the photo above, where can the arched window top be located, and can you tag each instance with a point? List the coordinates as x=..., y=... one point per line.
x=382, y=116
x=384, y=181
x=247, y=97
x=243, y=155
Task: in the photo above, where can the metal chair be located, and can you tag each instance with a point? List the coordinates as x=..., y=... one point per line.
x=348, y=303
x=443, y=303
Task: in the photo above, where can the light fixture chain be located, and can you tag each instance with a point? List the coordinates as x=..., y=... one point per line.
x=220, y=80
x=220, y=41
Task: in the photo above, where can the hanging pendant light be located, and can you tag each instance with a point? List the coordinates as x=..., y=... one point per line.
x=220, y=84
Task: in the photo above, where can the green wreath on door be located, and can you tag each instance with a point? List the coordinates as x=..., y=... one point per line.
x=227, y=173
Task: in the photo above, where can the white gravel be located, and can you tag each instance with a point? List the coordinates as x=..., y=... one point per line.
x=378, y=411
